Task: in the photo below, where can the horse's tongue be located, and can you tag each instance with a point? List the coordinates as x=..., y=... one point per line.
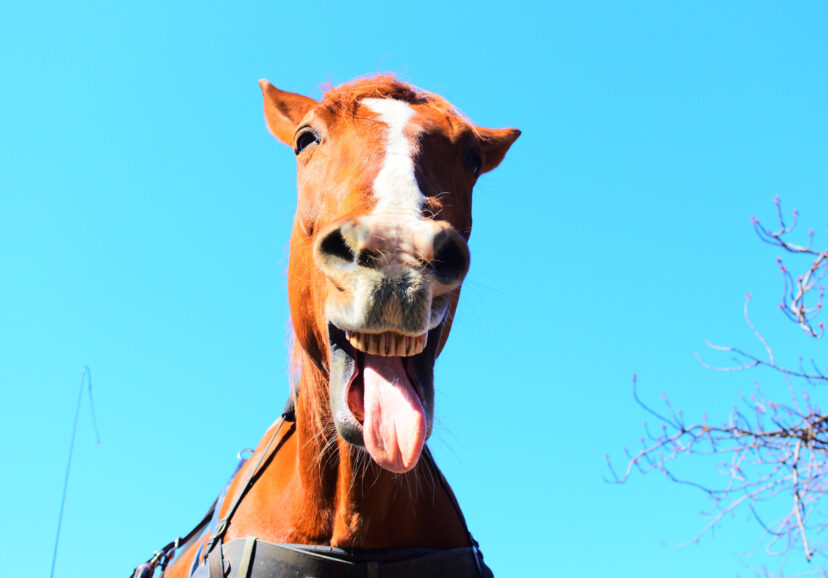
x=395, y=424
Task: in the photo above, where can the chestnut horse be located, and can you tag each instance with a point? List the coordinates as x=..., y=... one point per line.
x=377, y=257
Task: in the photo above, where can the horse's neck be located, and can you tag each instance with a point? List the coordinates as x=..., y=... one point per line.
x=362, y=505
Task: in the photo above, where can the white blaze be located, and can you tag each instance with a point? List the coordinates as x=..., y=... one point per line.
x=395, y=186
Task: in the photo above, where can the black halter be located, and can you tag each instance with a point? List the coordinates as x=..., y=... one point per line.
x=254, y=558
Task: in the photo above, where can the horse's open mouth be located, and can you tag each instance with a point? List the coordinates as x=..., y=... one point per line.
x=382, y=392
x=382, y=359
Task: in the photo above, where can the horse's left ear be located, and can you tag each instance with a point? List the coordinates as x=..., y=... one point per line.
x=495, y=142
x=284, y=110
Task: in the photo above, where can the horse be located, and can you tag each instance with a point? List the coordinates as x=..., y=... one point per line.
x=343, y=483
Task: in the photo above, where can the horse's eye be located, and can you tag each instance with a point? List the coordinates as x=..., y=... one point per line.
x=306, y=138
x=473, y=163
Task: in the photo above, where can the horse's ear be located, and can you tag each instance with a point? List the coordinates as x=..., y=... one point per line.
x=495, y=142
x=283, y=111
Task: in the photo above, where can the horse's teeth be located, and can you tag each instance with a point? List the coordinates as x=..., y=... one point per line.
x=387, y=344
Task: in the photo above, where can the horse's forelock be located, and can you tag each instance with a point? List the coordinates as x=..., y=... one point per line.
x=346, y=97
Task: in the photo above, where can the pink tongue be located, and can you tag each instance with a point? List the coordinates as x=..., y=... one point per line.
x=395, y=424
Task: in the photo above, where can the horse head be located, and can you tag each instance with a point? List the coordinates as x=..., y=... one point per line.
x=379, y=251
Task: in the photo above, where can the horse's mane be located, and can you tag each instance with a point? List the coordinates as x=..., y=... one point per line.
x=346, y=97
x=301, y=368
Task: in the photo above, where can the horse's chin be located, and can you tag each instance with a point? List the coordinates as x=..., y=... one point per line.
x=381, y=402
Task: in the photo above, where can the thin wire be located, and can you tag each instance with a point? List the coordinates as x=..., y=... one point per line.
x=88, y=373
x=87, y=377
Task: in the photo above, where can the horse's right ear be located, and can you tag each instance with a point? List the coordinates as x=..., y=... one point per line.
x=283, y=111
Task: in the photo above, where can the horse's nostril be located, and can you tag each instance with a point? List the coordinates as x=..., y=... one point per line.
x=367, y=258
x=335, y=245
x=451, y=257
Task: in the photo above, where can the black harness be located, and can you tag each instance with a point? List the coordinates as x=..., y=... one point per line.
x=254, y=558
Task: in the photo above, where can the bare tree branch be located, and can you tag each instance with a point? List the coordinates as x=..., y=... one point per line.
x=794, y=295
x=773, y=455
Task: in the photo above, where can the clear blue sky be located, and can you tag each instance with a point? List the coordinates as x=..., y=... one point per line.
x=145, y=214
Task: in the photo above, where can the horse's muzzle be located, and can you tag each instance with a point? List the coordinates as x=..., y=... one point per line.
x=390, y=274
